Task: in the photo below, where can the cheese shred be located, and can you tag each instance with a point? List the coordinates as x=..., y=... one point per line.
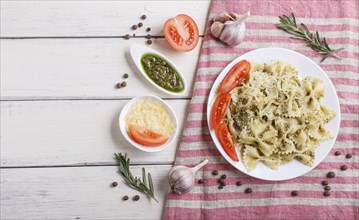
x=152, y=115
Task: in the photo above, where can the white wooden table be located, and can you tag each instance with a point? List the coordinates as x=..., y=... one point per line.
x=60, y=61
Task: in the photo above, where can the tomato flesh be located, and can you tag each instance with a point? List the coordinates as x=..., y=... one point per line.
x=235, y=76
x=226, y=141
x=219, y=109
x=181, y=32
x=146, y=137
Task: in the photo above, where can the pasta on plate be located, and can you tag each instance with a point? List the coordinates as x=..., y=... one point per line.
x=275, y=117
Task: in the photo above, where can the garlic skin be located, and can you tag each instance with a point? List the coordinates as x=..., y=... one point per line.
x=221, y=17
x=182, y=179
x=232, y=31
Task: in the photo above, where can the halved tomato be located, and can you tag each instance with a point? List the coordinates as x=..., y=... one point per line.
x=224, y=138
x=146, y=137
x=219, y=109
x=235, y=76
x=181, y=32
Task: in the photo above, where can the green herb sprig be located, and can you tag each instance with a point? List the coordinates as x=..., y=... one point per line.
x=289, y=25
x=135, y=182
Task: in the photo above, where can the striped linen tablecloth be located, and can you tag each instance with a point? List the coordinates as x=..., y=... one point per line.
x=338, y=21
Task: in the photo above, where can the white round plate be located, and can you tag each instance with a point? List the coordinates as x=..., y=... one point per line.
x=306, y=67
x=124, y=132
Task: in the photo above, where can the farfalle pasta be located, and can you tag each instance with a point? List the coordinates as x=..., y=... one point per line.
x=275, y=117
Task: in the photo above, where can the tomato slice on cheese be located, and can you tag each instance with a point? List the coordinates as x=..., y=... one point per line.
x=146, y=137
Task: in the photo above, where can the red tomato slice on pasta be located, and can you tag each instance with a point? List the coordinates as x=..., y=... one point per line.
x=235, y=76
x=224, y=138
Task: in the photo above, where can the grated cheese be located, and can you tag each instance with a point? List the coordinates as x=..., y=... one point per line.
x=152, y=115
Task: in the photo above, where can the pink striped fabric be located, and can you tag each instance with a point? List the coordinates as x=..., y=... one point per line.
x=339, y=22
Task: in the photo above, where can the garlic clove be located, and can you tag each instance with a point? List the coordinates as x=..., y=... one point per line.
x=216, y=29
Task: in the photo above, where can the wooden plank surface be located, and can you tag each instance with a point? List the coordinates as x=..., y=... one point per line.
x=78, y=193
x=81, y=132
x=81, y=69
x=93, y=18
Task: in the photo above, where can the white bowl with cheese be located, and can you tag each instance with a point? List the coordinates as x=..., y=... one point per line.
x=152, y=113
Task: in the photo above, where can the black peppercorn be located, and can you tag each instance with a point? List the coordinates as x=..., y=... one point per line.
x=220, y=187
x=344, y=167
x=326, y=193
x=143, y=17
x=215, y=172
x=337, y=153
x=223, y=176
x=136, y=198
x=114, y=184
x=125, y=75
x=118, y=85
x=327, y=188
x=325, y=182
x=201, y=181
x=294, y=193
x=123, y=84
x=248, y=190
x=331, y=174
x=149, y=42
x=348, y=156
x=148, y=29
x=134, y=27
x=239, y=183
x=125, y=198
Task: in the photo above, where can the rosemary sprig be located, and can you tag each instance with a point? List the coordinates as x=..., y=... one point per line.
x=135, y=182
x=289, y=25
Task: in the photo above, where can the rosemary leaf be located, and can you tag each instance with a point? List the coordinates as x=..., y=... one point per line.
x=150, y=183
x=144, y=176
x=134, y=182
x=289, y=25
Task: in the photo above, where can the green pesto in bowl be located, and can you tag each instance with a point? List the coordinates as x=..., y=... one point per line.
x=162, y=73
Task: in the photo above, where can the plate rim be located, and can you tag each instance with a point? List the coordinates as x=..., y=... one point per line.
x=230, y=65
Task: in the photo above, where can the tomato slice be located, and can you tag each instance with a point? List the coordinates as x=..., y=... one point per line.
x=219, y=109
x=226, y=141
x=235, y=76
x=181, y=32
x=146, y=137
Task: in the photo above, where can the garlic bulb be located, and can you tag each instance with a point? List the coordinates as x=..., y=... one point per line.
x=231, y=31
x=182, y=178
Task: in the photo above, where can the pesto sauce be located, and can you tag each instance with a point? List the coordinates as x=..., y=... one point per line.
x=162, y=73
